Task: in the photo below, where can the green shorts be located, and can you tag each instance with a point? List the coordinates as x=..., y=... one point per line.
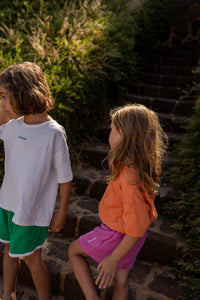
x=23, y=240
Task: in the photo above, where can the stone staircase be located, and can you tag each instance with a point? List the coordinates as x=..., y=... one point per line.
x=159, y=87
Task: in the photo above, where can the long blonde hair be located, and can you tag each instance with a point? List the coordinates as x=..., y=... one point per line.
x=142, y=146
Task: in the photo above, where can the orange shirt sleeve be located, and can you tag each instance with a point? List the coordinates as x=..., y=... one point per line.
x=138, y=207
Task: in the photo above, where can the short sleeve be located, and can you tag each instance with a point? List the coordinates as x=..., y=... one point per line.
x=2, y=131
x=62, y=162
x=136, y=213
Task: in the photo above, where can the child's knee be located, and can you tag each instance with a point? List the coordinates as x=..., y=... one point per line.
x=6, y=248
x=75, y=249
x=122, y=279
x=121, y=284
x=72, y=248
x=33, y=259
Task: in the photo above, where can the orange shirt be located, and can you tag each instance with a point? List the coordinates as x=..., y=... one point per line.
x=125, y=208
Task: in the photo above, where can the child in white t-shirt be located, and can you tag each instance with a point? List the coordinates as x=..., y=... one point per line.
x=36, y=162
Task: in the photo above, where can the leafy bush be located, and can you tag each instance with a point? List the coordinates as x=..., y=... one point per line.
x=184, y=210
x=86, y=49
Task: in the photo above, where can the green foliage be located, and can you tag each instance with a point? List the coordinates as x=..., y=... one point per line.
x=193, y=89
x=86, y=49
x=152, y=20
x=184, y=210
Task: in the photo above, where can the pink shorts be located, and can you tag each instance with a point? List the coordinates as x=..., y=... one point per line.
x=101, y=241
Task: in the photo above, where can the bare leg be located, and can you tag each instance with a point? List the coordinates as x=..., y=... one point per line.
x=10, y=270
x=82, y=271
x=40, y=274
x=121, y=285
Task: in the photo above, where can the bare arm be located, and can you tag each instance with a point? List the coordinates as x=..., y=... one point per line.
x=108, y=265
x=58, y=220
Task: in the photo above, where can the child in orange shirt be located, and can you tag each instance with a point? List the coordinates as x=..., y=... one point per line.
x=127, y=209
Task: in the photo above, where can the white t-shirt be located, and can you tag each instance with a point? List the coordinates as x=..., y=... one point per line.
x=36, y=160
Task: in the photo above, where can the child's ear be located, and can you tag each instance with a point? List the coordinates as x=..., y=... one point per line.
x=120, y=131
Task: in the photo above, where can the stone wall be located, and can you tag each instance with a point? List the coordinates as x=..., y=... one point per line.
x=184, y=29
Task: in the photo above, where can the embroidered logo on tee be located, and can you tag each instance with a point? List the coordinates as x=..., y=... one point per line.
x=21, y=137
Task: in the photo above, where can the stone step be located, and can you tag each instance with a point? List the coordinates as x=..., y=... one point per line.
x=166, y=80
x=55, y=257
x=164, y=105
x=179, y=60
x=27, y=292
x=103, y=131
x=147, y=280
x=173, y=123
x=184, y=52
x=92, y=183
x=168, y=69
x=96, y=153
x=142, y=89
x=177, y=56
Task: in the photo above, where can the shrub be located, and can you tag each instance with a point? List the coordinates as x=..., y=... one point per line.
x=86, y=49
x=184, y=210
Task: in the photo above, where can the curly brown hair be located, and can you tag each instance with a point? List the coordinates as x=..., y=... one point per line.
x=28, y=88
x=142, y=146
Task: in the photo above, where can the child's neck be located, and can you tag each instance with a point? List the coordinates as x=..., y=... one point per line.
x=37, y=118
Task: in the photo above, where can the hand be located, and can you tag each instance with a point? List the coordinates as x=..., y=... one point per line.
x=107, y=269
x=57, y=222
